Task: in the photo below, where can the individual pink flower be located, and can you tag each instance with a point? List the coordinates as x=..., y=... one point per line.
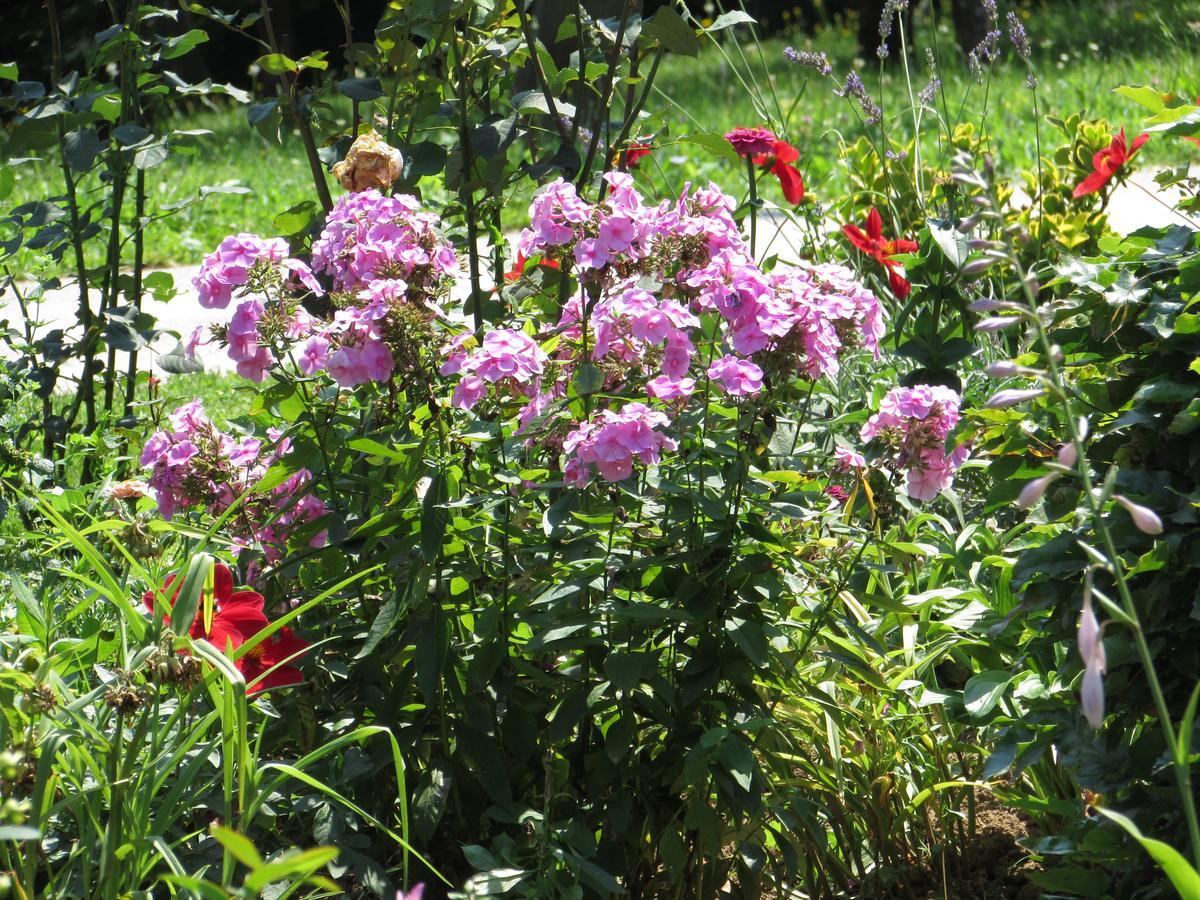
x=738, y=377
x=315, y=355
x=848, y=459
x=666, y=389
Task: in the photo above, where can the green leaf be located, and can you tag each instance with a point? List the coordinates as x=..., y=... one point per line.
x=8, y=71
x=1174, y=866
x=983, y=691
x=588, y=379
x=737, y=757
x=434, y=517
x=1148, y=97
x=277, y=64
x=183, y=614
x=729, y=19
x=361, y=89
x=669, y=29
x=951, y=241
x=425, y=158
x=175, y=47
x=80, y=148
x=19, y=833
x=714, y=143
x=239, y=845
x=149, y=157
x=295, y=219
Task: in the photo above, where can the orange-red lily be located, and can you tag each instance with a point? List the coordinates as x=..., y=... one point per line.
x=1107, y=162
x=881, y=249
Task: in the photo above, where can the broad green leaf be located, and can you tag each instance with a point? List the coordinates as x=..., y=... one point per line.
x=277, y=64
x=983, y=691
x=669, y=29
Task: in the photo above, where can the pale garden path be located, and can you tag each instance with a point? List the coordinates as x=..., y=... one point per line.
x=1138, y=203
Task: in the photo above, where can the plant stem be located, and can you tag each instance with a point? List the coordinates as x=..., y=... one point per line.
x=289, y=85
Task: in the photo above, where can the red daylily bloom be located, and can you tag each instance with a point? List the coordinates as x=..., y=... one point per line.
x=273, y=654
x=881, y=249
x=1107, y=162
x=236, y=617
x=784, y=154
x=235, y=614
x=518, y=268
x=633, y=152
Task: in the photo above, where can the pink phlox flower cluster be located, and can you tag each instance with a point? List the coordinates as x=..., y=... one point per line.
x=627, y=321
x=816, y=311
x=916, y=422
x=369, y=236
x=248, y=347
x=612, y=441
x=506, y=357
x=224, y=270
x=195, y=465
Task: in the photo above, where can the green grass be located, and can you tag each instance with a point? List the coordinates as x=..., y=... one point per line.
x=1077, y=66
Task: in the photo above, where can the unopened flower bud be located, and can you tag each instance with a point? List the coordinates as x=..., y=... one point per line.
x=1003, y=369
x=986, y=304
x=1005, y=399
x=1033, y=491
x=1144, y=517
x=998, y=323
x=1068, y=455
x=1090, y=640
x=978, y=266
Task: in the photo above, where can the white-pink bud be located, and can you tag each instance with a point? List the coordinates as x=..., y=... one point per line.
x=1033, y=491
x=1005, y=369
x=1144, y=517
x=1068, y=455
x=1005, y=399
x=998, y=323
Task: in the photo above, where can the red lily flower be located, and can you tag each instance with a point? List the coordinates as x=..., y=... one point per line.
x=784, y=154
x=633, y=152
x=273, y=654
x=236, y=617
x=1107, y=162
x=236, y=614
x=518, y=268
x=881, y=249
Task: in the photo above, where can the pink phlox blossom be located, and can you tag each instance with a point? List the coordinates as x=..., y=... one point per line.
x=848, y=459
x=916, y=422
x=505, y=356
x=668, y=389
x=612, y=441
x=738, y=377
x=225, y=269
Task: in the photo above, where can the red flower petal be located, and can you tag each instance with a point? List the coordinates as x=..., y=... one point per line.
x=1091, y=184
x=1137, y=144
x=785, y=152
x=790, y=181
x=900, y=245
x=856, y=237
x=898, y=283
x=874, y=225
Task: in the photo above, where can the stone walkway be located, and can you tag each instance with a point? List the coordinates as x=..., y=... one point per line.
x=1138, y=203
